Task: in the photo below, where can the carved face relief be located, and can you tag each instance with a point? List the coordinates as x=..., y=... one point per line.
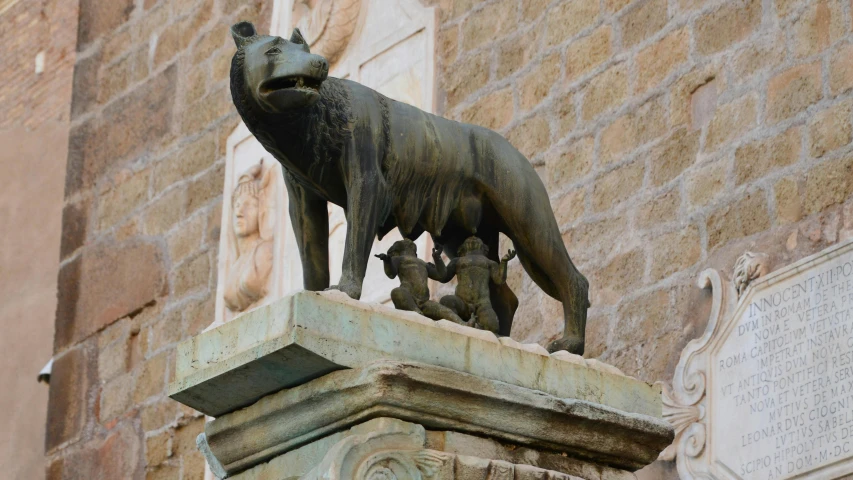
x=245, y=215
x=246, y=282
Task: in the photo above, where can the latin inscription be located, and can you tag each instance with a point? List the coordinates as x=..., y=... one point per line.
x=784, y=377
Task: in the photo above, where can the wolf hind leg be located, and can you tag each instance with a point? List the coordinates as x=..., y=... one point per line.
x=545, y=259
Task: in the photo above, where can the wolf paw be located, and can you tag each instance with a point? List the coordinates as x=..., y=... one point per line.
x=570, y=344
x=354, y=291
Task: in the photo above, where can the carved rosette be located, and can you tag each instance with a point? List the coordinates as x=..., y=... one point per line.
x=390, y=449
x=328, y=26
x=685, y=404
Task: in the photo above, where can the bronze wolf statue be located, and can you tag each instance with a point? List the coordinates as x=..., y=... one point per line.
x=388, y=164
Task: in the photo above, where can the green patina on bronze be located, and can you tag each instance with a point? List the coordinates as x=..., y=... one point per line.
x=391, y=165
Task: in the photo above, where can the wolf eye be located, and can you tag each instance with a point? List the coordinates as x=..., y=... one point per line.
x=273, y=51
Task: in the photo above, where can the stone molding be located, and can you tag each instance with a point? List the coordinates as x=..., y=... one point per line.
x=309, y=334
x=390, y=449
x=440, y=399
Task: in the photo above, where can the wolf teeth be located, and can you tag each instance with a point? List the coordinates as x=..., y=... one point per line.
x=300, y=82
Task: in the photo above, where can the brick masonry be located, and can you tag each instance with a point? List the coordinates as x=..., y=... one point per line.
x=150, y=114
x=672, y=135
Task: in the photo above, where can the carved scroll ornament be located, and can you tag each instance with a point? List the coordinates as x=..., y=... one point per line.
x=685, y=404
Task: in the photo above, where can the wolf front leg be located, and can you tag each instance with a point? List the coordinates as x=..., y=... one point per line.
x=364, y=209
x=309, y=216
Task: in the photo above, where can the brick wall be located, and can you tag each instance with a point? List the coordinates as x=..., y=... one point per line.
x=672, y=136
x=27, y=98
x=150, y=114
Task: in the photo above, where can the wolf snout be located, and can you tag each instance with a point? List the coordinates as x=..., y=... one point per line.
x=321, y=66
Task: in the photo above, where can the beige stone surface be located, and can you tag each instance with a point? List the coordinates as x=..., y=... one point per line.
x=309, y=334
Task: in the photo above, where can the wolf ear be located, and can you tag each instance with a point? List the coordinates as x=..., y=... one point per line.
x=242, y=33
x=298, y=39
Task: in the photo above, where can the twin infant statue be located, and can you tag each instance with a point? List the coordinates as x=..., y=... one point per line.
x=471, y=305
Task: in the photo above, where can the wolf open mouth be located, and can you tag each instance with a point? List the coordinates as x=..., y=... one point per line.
x=293, y=82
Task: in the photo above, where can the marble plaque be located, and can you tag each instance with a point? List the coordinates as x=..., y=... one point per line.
x=767, y=392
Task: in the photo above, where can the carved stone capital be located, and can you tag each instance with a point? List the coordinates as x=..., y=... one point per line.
x=390, y=449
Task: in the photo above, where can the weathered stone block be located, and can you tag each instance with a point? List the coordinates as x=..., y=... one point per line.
x=605, y=91
x=98, y=18
x=761, y=157
x=186, y=162
x=789, y=203
x=620, y=275
x=571, y=163
x=570, y=18
x=727, y=25
x=618, y=185
x=828, y=183
x=75, y=220
x=123, y=198
x=643, y=20
x=127, y=126
x=588, y=52
x=486, y=23
x=104, y=284
x=747, y=216
x=494, y=111
x=632, y=130
x=309, y=334
x=841, y=69
x=73, y=376
x=731, y=120
x=659, y=210
x=792, y=91
x=706, y=183
x=516, y=52
x=151, y=378
x=466, y=76
x=566, y=114
x=531, y=136
x=536, y=84
x=830, y=129
x=165, y=212
x=657, y=61
x=675, y=251
x=85, y=86
x=813, y=30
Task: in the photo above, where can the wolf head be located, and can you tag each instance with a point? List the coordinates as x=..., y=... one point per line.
x=280, y=75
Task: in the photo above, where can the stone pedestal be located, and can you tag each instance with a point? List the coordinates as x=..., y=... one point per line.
x=319, y=386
